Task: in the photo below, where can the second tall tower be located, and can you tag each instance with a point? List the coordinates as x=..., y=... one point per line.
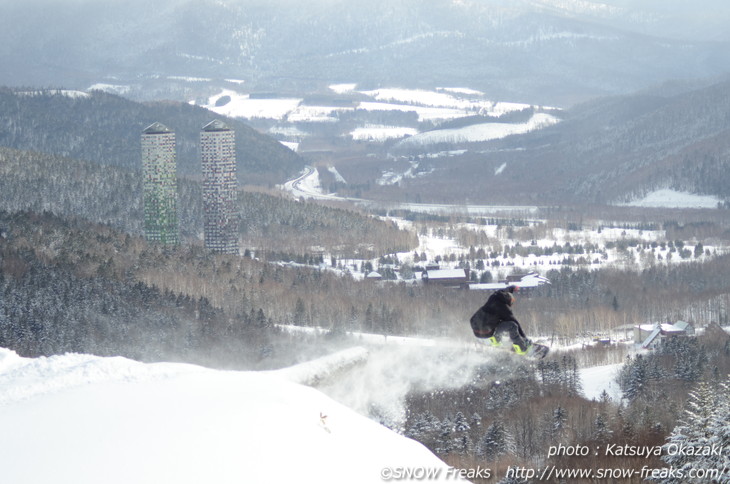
x=220, y=187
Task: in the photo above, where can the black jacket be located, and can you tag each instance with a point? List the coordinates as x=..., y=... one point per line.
x=497, y=309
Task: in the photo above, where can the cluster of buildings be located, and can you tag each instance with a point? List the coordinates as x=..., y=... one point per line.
x=459, y=278
x=218, y=159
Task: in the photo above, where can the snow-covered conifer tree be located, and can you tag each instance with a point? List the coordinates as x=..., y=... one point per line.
x=720, y=433
x=460, y=423
x=694, y=431
x=494, y=443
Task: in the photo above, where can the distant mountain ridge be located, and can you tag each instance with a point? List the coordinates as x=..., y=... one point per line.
x=540, y=52
x=106, y=129
x=610, y=150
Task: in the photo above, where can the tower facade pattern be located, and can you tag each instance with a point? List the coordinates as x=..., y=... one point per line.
x=220, y=187
x=159, y=171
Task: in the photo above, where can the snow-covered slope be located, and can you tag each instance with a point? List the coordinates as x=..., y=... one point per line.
x=597, y=379
x=86, y=419
x=674, y=199
x=480, y=132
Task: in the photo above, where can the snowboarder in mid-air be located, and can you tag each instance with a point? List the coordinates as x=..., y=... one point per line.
x=495, y=318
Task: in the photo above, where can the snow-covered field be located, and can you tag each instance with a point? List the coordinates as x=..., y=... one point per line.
x=86, y=419
x=441, y=104
x=381, y=133
x=668, y=198
x=435, y=106
x=597, y=379
x=243, y=106
x=608, y=245
x=480, y=132
x=603, y=249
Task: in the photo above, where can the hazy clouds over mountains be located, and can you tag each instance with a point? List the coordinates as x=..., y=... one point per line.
x=543, y=51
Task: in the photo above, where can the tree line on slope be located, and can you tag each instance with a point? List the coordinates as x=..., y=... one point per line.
x=577, y=301
x=67, y=294
x=67, y=187
x=67, y=285
x=245, y=293
x=676, y=396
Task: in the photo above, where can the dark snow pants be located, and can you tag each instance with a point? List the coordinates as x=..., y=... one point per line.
x=515, y=333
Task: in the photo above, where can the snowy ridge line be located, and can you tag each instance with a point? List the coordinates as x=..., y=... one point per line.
x=25, y=378
x=315, y=372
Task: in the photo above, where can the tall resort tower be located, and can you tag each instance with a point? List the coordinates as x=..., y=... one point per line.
x=218, y=157
x=159, y=172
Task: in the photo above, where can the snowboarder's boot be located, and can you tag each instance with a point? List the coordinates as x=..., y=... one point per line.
x=522, y=349
x=494, y=341
x=532, y=350
x=518, y=349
